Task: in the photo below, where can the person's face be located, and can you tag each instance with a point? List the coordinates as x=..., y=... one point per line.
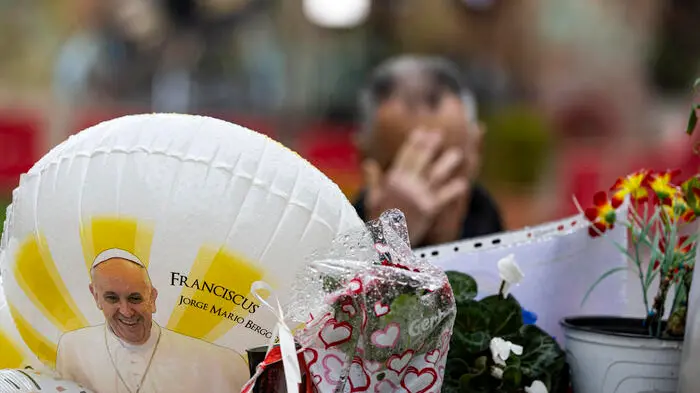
x=124, y=293
x=400, y=114
x=138, y=21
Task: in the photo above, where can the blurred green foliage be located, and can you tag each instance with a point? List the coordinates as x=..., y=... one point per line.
x=517, y=146
x=3, y=211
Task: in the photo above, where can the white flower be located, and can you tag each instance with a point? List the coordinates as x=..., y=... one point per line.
x=501, y=349
x=510, y=273
x=496, y=372
x=536, y=387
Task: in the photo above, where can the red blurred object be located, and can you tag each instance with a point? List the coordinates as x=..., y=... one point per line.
x=582, y=173
x=676, y=154
x=587, y=117
x=330, y=148
x=20, y=134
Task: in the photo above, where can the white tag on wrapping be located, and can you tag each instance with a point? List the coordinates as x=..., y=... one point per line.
x=290, y=362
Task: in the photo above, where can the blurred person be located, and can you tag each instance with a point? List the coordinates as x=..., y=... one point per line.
x=111, y=55
x=171, y=56
x=130, y=352
x=420, y=144
x=79, y=54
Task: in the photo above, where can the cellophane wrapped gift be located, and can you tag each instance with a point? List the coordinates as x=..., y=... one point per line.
x=378, y=319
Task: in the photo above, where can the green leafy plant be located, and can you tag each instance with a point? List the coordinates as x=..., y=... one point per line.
x=530, y=360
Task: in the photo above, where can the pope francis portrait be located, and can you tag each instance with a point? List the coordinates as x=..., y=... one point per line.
x=130, y=353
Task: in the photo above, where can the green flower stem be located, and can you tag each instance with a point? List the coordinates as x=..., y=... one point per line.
x=658, y=305
x=503, y=287
x=680, y=282
x=639, y=263
x=683, y=285
x=641, y=275
x=678, y=289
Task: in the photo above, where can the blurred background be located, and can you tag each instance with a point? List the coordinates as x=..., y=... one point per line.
x=573, y=93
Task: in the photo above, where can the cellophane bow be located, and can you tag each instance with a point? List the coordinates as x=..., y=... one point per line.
x=378, y=319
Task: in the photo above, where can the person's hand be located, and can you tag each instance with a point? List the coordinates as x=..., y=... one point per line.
x=448, y=224
x=416, y=183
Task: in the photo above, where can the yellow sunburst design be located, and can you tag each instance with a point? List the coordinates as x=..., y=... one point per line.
x=11, y=355
x=103, y=233
x=42, y=347
x=228, y=272
x=37, y=276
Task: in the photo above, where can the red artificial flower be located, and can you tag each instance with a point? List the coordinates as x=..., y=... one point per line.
x=602, y=215
x=681, y=246
x=660, y=184
x=632, y=185
x=677, y=209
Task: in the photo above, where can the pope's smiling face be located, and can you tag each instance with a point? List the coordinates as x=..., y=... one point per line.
x=126, y=297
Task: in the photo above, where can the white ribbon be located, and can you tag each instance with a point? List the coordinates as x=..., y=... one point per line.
x=292, y=372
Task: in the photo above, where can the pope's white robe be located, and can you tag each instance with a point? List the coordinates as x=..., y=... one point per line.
x=181, y=364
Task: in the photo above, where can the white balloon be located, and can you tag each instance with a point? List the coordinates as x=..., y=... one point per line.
x=15, y=353
x=337, y=13
x=208, y=206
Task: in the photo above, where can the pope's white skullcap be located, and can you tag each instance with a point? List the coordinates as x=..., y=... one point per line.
x=116, y=253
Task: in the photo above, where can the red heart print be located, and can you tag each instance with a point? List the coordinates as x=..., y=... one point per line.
x=372, y=367
x=360, y=349
x=385, y=386
x=421, y=381
x=318, y=321
x=335, y=333
x=387, y=337
x=445, y=344
x=432, y=356
x=445, y=338
x=398, y=363
x=331, y=368
x=380, y=309
x=359, y=380
x=317, y=380
x=355, y=285
x=349, y=308
x=310, y=356
x=364, y=316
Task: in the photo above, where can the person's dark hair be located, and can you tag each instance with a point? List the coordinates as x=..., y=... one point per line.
x=441, y=74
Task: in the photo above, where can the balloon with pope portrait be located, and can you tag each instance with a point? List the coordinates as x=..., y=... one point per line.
x=165, y=217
